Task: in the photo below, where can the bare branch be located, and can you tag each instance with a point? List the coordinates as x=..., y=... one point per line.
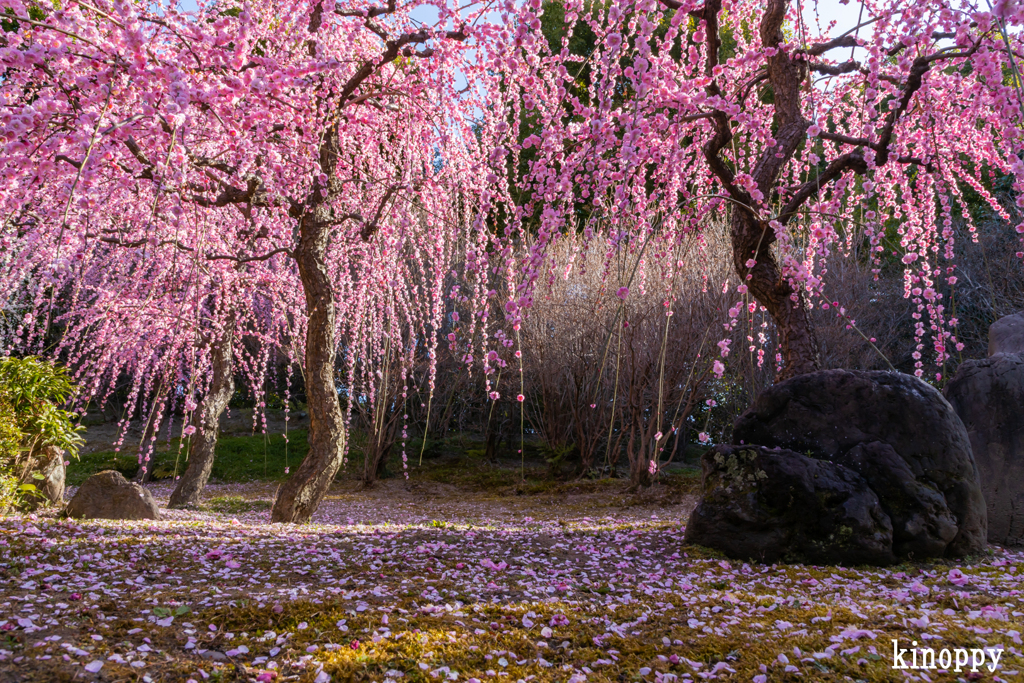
x=846, y=139
x=835, y=69
x=849, y=161
x=818, y=49
x=76, y=164
x=249, y=259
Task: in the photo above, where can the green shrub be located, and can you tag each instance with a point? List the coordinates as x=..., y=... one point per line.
x=32, y=393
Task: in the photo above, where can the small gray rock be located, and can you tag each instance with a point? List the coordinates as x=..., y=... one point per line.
x=108, y=495
x=213, y=655
x=48, y=461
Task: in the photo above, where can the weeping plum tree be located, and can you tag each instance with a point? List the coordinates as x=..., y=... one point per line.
x=312, y=134
x=317, y=155
x=133, y=304
x=812, y=139
x=202, y=449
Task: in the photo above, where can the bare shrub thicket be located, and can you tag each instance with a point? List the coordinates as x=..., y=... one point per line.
x=379, y=415
x=610, y=378
x=872, y=329
x=614, y=383
x=990, y=283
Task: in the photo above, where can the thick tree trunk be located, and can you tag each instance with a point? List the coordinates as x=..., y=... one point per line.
x=189, y=491
x=753, y=238
x=298, y=498
x=774, y=292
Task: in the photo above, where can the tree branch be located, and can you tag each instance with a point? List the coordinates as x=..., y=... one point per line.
x=369, y=229
x=76, y=164
x=855, y=160
x=810, y=188
x=818, y=49
x=140, y=156
x=674, y=4
x=249, y=259
x=835, y=69
x=369, y=13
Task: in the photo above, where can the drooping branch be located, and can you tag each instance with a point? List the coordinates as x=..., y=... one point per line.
x=855, y=161
x=709, y=13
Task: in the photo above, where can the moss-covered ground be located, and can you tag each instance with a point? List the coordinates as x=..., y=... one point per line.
x=420, y=581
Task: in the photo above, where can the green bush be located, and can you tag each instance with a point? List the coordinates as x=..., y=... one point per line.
x=32, y=393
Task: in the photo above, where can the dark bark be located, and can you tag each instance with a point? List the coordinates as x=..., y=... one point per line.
x=189, y=490
x=298, y=498
x=492, y=438
x=383, y=435
x=751, y=235
x=377, y=454
x=750, y=239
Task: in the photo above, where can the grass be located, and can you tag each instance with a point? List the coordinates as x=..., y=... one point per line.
x=239, y=459
x=234, y=505
x=458, y=461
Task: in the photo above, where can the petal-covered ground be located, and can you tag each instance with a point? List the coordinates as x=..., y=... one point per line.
x=438, y=584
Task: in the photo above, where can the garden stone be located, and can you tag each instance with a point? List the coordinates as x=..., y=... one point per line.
x=778, y=505
x=922, y=525
x=108, y=495
x=1006, y=335
x=988, y=395
x=828, y=414
x=48, y=462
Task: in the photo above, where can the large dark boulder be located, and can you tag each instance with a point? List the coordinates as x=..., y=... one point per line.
x=922, y=524
x=108, y=495
x=1006, y=335
x=988, y=395
x=778, y=505
x=828, y=414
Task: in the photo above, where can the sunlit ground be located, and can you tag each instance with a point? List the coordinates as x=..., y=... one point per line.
x=437, y=584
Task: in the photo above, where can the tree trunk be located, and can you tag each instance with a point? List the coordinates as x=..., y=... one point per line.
x=492, y=435
x=298, y=498
x=189, y=490
x=751, y=239
x=639, y=476
x=376, y=459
